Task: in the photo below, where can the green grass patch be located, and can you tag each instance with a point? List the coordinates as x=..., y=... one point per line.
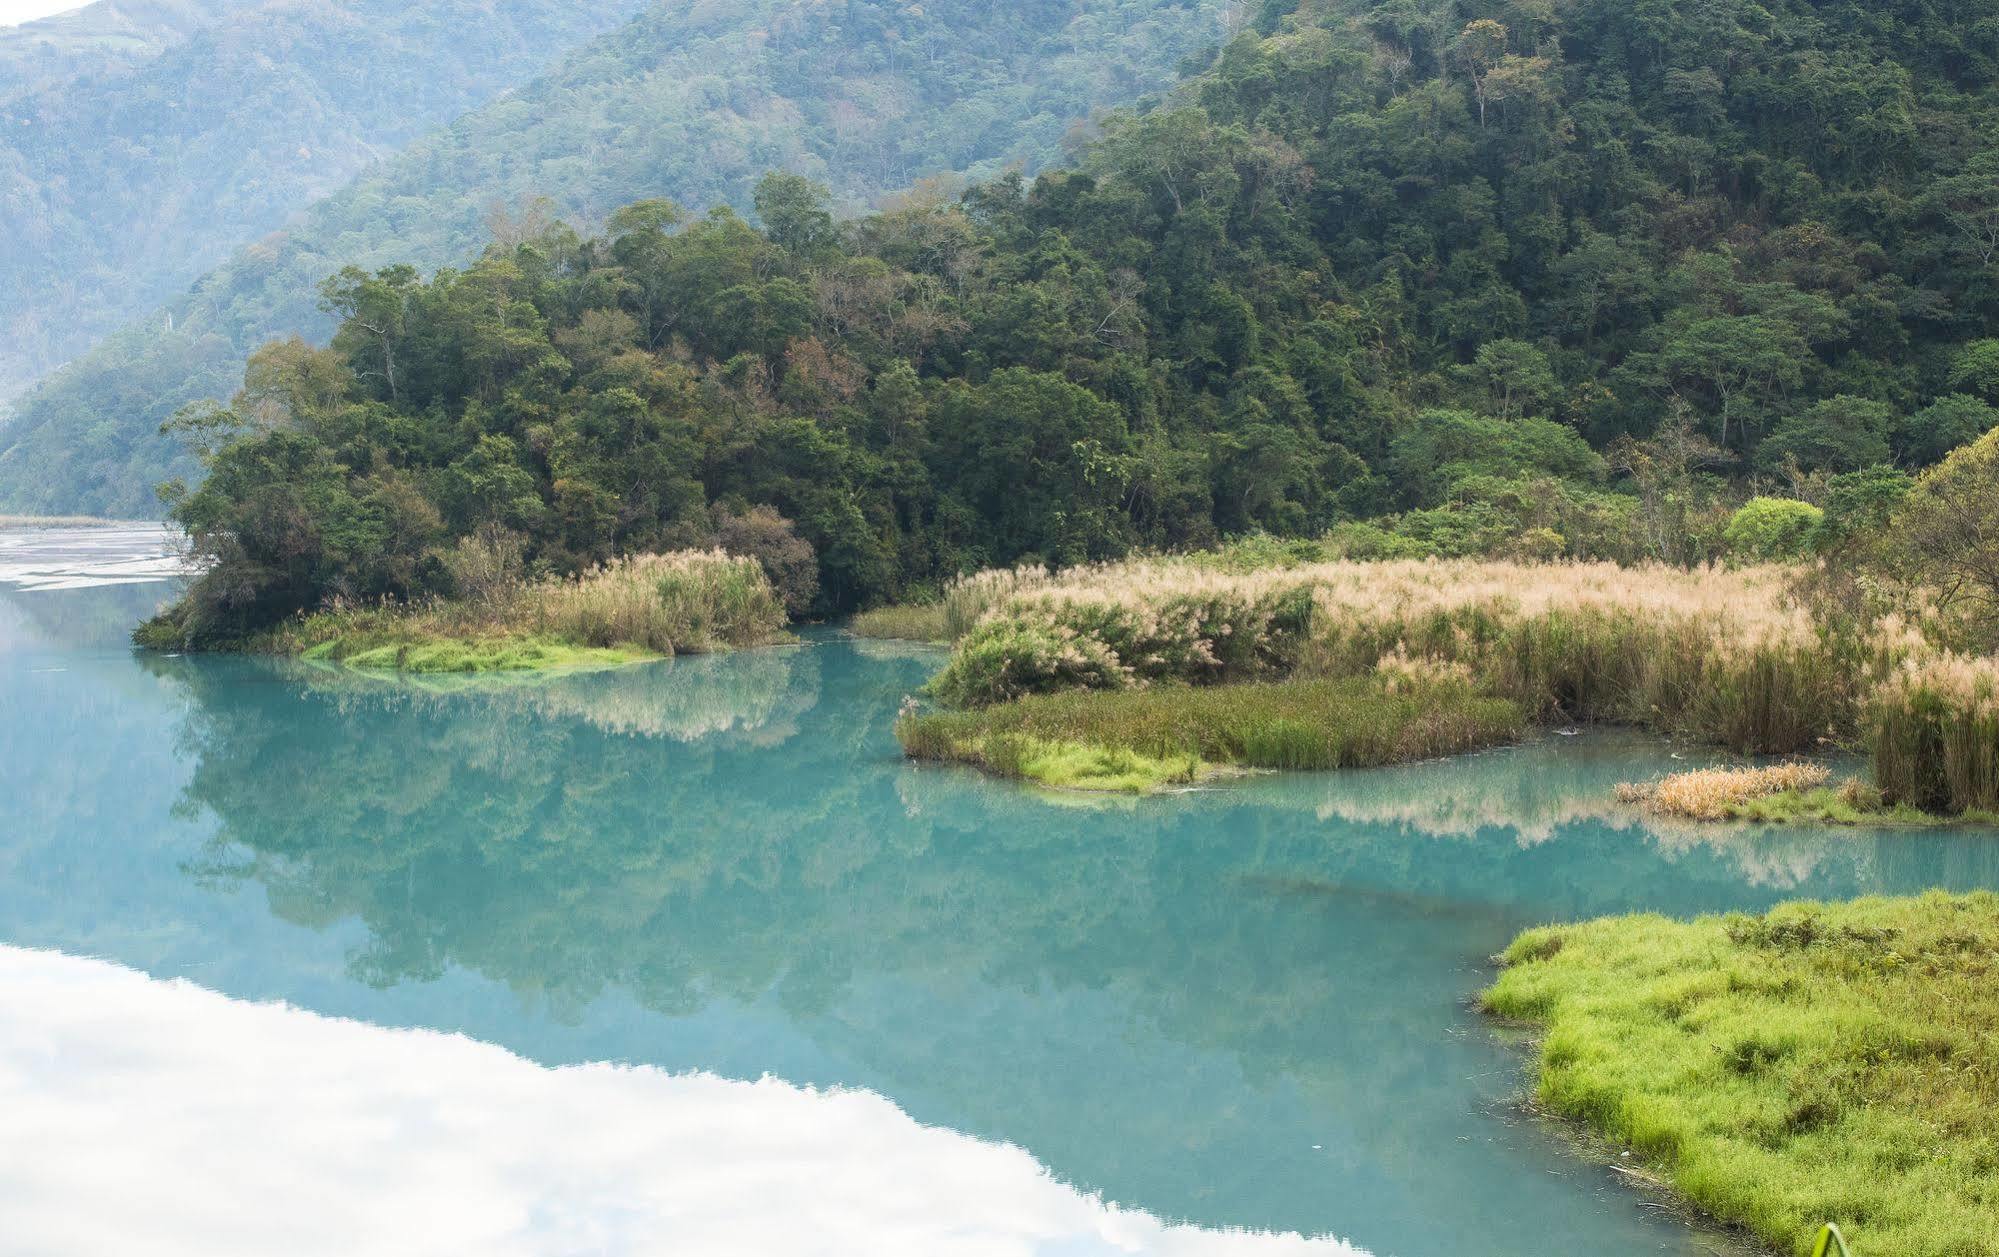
x=1823, y=1063
x=1145, y=739
x=386, y=651
x=903, y=624
x=1830, y=805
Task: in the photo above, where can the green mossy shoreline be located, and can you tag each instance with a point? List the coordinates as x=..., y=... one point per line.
x=1821, y=1063
x=1827, y=806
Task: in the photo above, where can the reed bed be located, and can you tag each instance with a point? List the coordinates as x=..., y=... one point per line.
x=651, y=605
x=1724, y=653
x=1728, y=655
x=1932, y=728
x=910, y=623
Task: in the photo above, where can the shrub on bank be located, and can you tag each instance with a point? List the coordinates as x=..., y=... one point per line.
x=1202, y=636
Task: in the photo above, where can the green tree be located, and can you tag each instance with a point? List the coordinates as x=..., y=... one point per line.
x=1766, y=530
x=1838, y=434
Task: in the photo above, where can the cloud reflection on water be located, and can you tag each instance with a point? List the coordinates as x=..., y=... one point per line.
x=160, y=1117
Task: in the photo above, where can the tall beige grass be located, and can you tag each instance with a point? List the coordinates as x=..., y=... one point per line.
x=689, y=602
x=1932, y=728
x=1725, y=653
x=682, y=603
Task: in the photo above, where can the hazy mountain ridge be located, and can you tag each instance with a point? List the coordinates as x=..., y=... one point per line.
x=122, y=181
x=106, y=37
x=690, y=100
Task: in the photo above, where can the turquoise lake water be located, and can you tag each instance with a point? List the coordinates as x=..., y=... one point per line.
x=1209, y=1022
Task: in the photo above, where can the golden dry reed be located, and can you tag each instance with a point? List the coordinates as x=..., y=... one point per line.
x=1713, y=794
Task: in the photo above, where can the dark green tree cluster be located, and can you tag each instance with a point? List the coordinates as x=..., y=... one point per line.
x=1493, y=273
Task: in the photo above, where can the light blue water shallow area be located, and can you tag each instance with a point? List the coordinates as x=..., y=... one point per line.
x=1241, y=1009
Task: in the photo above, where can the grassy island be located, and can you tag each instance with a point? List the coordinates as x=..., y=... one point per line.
x=643, y=607
x=1139, y=740
x=1182, y=661
x=1824, y=1063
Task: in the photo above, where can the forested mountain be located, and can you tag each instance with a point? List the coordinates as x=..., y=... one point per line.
x=690, y=100
x=125, y=175
x=98, y=38
x=1548, y=274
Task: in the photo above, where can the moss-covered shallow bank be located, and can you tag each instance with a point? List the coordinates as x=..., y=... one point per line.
x=1823, y=1063
x=1140, y=740
x=645, y=607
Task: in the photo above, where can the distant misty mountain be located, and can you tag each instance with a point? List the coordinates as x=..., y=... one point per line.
x=692, y=100
x=99, y=38
x=141, y=141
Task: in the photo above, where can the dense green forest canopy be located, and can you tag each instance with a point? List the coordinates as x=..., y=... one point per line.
x=690, y=100
x=119, y=185
x=1566, y=273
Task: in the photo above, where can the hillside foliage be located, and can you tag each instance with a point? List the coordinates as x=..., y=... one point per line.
x=1545, y=278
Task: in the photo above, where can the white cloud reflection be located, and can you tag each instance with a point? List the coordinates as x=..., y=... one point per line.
x=139, y=1116
x=36, y=557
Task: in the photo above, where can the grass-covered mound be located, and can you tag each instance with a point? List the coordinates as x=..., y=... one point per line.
x=1824, y=1063
x=1144, y=739
x=648, y=606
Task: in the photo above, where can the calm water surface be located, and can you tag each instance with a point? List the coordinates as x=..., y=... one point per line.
x=715, y=971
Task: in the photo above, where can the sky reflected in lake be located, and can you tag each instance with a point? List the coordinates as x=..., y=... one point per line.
x=136, y=1107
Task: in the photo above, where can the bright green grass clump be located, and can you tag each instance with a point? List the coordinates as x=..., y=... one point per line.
x=909, y=623
x=1830, y=805
x=1138, y=740
x=485, y=654
x=1824, y=1063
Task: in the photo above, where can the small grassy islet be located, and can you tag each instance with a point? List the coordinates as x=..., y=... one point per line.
x=1146, y=739
x=1822, y=1063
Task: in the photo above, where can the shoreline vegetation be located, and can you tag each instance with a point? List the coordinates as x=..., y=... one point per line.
x=1729, y=656
x=1822, y=1063
x=629, y=610
x=1780, y=794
